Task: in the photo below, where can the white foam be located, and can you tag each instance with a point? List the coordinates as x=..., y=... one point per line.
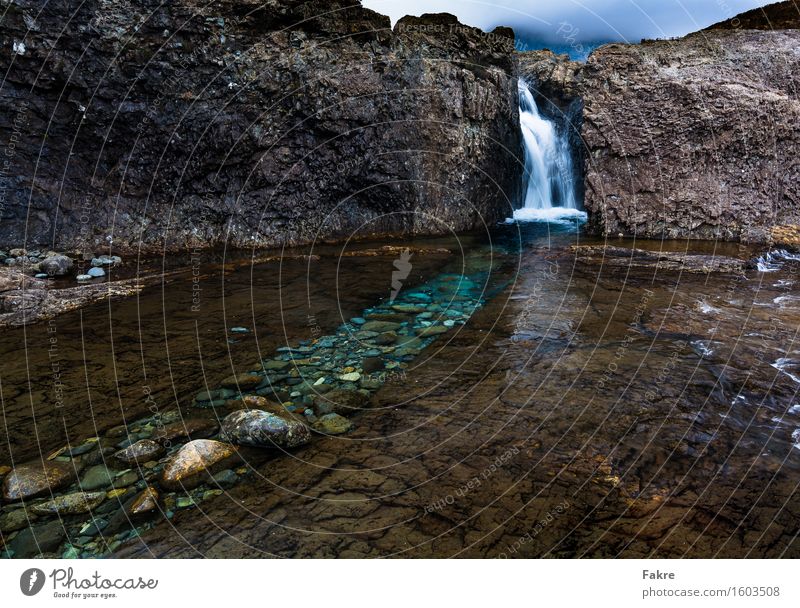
x=558, y=215
x=772, y=261
x=783, y=364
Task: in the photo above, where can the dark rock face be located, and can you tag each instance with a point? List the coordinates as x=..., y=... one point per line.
x=192, y=124
x=691, y=138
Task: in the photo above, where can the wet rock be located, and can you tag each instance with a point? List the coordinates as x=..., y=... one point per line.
x=96, y=272
x=408, y=308
x=56, y=266
x=276, y=365
x=36, y=479
x=140, y=452
x=96, y=477
x=70, y=504
x=244, y=382
x=84, y=277
x=125, y=479
x=146, y=503
x=191, y=428
x=225, y=479
x=388, y=337
x=332, y=424
x=106, y=260
x=431, y=330
x=18, y=519
x=38, y=539
x=261, y=429
x=350, y=377
x=380, y=326
x=195, y=462
x=341, y=401
x=372, y=364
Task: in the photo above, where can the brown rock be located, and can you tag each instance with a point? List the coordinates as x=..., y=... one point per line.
x=191, y=428
x=70, y=504
x=36, y=479
x=195, y=462
x=140, y=452
x=145, y=503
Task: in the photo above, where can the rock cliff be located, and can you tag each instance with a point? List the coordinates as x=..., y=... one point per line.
x=137, y=124
x=697, y=137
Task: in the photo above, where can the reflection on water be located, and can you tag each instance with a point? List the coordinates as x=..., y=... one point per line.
x=583, y=410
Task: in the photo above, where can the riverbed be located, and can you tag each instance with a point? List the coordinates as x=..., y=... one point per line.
x=574, y=410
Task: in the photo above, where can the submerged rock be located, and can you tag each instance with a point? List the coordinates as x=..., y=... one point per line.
x=70, y=504
x=244, y=382
x=38, y=539
x=18, y=519
x=36, y=479
x=332, y=424
x=140, y=452
x=342, y=401
x=96, y=477
x=262, y=429
x=432, y=330
x=195, y=462
x=145, y=503
x=380, y=326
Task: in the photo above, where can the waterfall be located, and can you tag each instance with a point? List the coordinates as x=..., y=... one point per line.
x=548, y=179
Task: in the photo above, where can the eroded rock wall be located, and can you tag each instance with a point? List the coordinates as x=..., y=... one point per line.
x=135, y=124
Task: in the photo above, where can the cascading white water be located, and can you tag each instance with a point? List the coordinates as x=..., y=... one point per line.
x=548, y=177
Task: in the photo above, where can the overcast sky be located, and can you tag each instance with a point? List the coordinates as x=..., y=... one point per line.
x=578, y=20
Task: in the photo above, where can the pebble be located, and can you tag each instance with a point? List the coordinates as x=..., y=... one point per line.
x=70, y=504
x=350, y=377
x=239, y=330
x=96, y=273
x=84, y=277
